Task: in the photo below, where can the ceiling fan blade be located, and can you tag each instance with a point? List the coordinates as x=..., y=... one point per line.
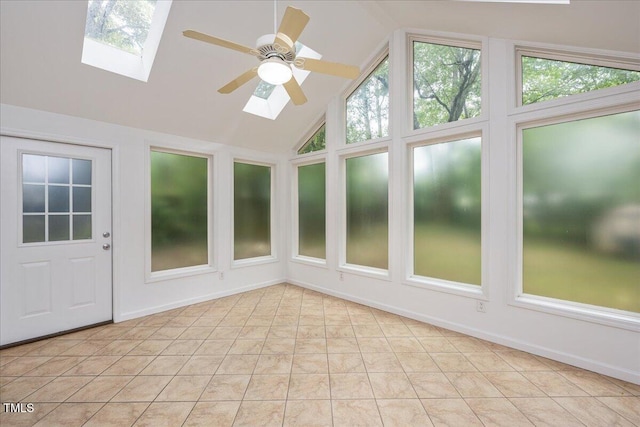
x=326, y=67
x=218, y=41
x=239, y=81
x=295, y=92
x=291, y=27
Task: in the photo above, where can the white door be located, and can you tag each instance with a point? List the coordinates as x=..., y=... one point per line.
x=55, y=225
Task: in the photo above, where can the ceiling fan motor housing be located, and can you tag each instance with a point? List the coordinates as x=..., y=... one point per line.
x=267, y=48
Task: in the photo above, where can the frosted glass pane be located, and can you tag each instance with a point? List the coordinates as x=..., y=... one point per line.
x=311, y=210
x=82, y=199
x=581, y=211
x=32, y=198
x=251, y=210
x=81, y=227
x=446, y=84
x=367, y=210
x=58, y=198
x=58, y=170
x=368, y=107
x=179, y=230
x=33, y=168
x=447, y=207
x=58, y=227
x=81, y=172
x=32, y=228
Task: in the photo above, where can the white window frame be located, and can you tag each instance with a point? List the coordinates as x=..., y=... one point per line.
x=210, y=267
x=295, y=235
x=453, y=40
x=118, y=61
x=307, y=137
x=265, y=259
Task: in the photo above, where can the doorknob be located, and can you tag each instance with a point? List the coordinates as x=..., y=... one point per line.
x=106, y=246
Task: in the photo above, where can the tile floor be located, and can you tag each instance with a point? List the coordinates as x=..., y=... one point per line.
x=284, y=355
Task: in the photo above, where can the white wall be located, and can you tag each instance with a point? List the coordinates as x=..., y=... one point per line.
x=611, y=347
x=134, y=296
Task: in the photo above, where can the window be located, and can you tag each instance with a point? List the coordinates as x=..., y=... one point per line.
x=311, y=210
x=123, y=36
x=581, y=211
x=368, y=107
x=316, y=143
x=179, y=211
x=447, y=211
x=367, y=210
x=446, y=84
x=251, y=210
x=545, y=79
x=56, y=199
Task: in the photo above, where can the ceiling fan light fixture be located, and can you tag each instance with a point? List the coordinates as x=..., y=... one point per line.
x=275, y=71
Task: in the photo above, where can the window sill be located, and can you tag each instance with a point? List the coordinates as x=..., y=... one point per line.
x=248, y=262
x=159, y=276
x=446, y=286
x=315, y=262
x=376, y=273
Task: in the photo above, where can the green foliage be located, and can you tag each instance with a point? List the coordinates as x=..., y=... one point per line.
x=311, y=210
x=368, y=107
x=316, y=143
x=120, y=23
x=446, y=84
x=546, y=79
x=251, y=210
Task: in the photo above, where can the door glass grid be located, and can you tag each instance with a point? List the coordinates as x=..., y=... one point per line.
x=56, y=199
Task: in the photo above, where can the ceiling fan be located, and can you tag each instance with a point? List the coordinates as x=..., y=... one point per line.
x=277, y=54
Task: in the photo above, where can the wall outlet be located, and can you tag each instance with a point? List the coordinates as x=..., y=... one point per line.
x=221, y=275
x=481, y=307
x=341, y=276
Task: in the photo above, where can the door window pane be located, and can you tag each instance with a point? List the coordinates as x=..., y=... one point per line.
x=81, y=172
x=545, y=79
x=82, y=199
x=33, y=198
x=33, y=228
x=251, y=210
x=446, y=84
x=447, y=208
x=58, y=227
x=59, y=198
x=81, y=227
x=311, y=210
x=368, y=107
x=33, y=168
x=367, y=210
x=179, y=211
x=581, y=211
x=58, y=170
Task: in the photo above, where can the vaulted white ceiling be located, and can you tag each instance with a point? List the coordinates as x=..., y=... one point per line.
x=41, y=46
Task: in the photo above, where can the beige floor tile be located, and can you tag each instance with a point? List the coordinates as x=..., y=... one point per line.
x=381, y=362
x=594, y=384
x=309, y=386
x=432, y=385
x=554, y=384
x=70, y=414
x=405, y=344
x=352, y=413
x=452, y=362
x=207, y=414
x=403, y=412
x=342, y=345
x=225, y=333
x=308, y=413
x=182, y=348
x=368, y=331
x=142, y=389
x=196, y=333
x=22, y=387
x=201, y=365
x=341, y=363
x=165, y=414
x=522, y=361
x=545, y=412
x=512, y=384
x=311, y=319
x=129, y=365
x=184, y=388
x=26, y=419
x=419, y=329
x=311, y=345
x=472, y=384
x=119, y=347
x=23, y=365
x=165, y=365
x=634, y=389
x=391, y=385
x=468, y=344
x=238, y=364
x=337, y=319
x=184, y=320
x=92, y=365
x=279, y=346
x=260, y=413
x=55, y=366
x=268, y=387
x=395, y=330
x=311, y=331
x=101, y=389
x=86, y=348
x=59, y=389
x=592, y=412
x=450, y=412
x=254, y=332
x=282, y=332
x=437, y=345
x=309, y=364
x=340, y=331
x=350, y=386
x=6, y=380
x=498, y=412
x=488, y=362
x=214, y=347
x=417, y=362
x=274, y=364
x=627, y=406
x=374, y=345
x=117, y=415
x=54, y=348
x=139, y=333
x=226, y=387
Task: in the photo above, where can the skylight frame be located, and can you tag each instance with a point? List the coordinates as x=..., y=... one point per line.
x=115, y=60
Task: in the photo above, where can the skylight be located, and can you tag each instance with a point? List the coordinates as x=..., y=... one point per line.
x=122, y=36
